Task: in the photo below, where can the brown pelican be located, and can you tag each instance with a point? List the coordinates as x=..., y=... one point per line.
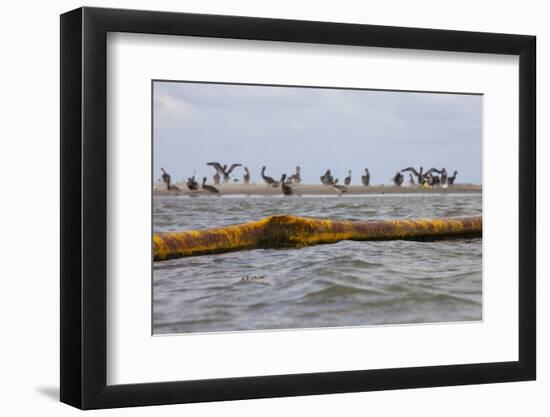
x=269, y=180
x=442, y=172
x=365, y=179
x=222, y=170
x=398, y=179
x=347, y=180
x=324, y=177
x=285, y=187
x=327, y=178
x=219, y=169
x=216, y=178
x=209, y=188
x=418, y=174
x=246, y=176
x=411, y=180
x=444, y=176
x=451, y=180
x=340, y=189
x=192, y=184
x=433, y=179
x=166, y=178
x=297, y=177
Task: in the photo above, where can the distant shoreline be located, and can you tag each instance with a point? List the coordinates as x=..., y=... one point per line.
x=318, y=189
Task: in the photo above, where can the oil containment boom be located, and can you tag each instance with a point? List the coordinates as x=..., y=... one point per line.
x=286, y=231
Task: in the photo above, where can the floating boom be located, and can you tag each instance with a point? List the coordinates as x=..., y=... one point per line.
x=291, y=231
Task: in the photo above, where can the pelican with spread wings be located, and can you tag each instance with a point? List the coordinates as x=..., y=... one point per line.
x=222, y=170
x=420, y=176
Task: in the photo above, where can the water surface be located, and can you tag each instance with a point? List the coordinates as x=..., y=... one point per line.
x=343, y=284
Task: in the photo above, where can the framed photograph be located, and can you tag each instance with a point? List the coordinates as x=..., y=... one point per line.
x=259, y=207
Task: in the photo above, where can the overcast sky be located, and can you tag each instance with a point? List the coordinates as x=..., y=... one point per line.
x=282, y=127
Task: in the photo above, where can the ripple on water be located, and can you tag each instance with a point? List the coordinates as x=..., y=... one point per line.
x=343, y=284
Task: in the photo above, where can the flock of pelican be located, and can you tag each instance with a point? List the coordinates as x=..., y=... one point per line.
x=430, y=178
x=427, y=178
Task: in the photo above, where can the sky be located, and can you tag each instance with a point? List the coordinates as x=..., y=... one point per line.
x=316, y=128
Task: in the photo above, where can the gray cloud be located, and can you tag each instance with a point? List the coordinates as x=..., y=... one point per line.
x=282, y=127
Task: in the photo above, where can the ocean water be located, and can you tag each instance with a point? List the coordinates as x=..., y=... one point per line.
x=342, y=284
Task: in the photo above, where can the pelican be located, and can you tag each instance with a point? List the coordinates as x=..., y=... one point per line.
x=443, y=172
x=246, y=176
x=436, y=179
x=340, y=189
x=328, y=179
x=418, y=174
x=222, y=170
x=268, y=180
x=285, y=187
x=411, y=180
x=325, y=177
x=365, y=179
x=398, y=179
x=347, y=180
x=433, y=179
x=166, y=178
x=297, y=177
x=216, y=178
x=192, y=184
x=209, y=188
x=444, y=176
x=451, y=180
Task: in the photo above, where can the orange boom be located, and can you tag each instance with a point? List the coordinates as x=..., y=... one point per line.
x=291, y=231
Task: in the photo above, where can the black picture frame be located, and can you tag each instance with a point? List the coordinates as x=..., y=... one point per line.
x=84, y=207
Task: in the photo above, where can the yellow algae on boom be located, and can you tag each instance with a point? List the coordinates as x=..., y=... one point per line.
x=292, y=231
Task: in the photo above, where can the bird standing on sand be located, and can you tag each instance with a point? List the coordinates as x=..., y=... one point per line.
x=398, y=179
x=324, y=177
x=411, y=180
x=431, y=178
x=327, y=178
x=365, y=179
x=269, y=180
x=444, y=176
x=216, y=178
x=209, y=188
x=286, y=187
x=166, y=178
x=222, y=170
x=436, y=179
x=192, y=184
x=297, y=177
x=246, y=176
x=451, y=180
x=347, y=180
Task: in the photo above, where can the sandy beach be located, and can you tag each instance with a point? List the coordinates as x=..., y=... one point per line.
x=318, y=189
